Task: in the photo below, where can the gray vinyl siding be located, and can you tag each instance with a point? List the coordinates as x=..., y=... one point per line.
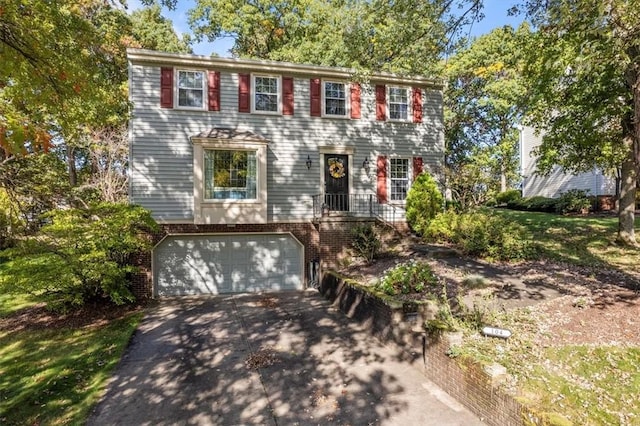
x=558, y=180
x=162, y=154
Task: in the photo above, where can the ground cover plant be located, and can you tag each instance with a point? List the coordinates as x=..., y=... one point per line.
x=54, y=368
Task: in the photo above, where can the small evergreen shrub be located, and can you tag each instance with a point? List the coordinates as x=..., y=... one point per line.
x=483, y=235
x=407, y=278
x=508, y=196
x=366, y=242
x=573, y=201
x=534, y=204
x=424, y=202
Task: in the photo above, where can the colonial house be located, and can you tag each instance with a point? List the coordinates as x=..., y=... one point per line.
x=257, y=170
x=558, y=181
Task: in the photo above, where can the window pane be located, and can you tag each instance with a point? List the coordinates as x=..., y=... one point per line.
x=335, y=107
x=399, y=178
x=398, y=103
x=230, y=175
x=191, y=89
x=266, y=102
x=266, y=94
x=335, y=100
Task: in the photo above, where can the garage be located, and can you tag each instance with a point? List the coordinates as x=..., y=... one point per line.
x=227, y=263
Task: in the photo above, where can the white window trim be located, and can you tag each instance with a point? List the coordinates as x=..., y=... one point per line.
x=229, y=211
x=232, y=200
x=253, y=94
x=176, y=89
x=409, y=178
x=409, y=104
x=347, y=100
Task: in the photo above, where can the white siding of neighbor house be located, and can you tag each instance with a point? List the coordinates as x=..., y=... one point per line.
x=558, y=181
x=162, y=154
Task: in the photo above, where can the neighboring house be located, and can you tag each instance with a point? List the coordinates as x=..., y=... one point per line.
x=558, y=181
x=258, y=170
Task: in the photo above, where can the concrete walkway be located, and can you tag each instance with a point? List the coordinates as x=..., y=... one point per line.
x=190, y=363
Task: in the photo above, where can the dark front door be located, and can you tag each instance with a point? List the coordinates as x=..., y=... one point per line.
x=336, y=181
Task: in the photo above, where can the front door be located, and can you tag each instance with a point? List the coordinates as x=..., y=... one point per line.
x=336, y=181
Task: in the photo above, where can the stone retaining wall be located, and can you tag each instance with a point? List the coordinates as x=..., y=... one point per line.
x=467, y=381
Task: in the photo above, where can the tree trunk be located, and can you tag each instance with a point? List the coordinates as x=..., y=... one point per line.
x=627, y=201
x=503, y=179
x=71, y=164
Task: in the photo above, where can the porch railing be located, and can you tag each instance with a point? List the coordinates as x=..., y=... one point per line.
x=354, y=205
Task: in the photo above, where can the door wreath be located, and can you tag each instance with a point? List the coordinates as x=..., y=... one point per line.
x=336, y=168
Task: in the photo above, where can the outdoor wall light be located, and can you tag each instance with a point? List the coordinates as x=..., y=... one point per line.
x=365, y=165
x=308, y=162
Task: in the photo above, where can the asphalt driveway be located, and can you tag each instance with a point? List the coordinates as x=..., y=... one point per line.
x=275, y=359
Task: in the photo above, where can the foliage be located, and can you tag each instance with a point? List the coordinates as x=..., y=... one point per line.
x=155, y=32
x=583, y=71
x=573, y=201
x=400, y=36
x=483, y=235
x=407, y=278
x=509, y=196
x=56, y=375
x=534, y=204
x=483, y=103
x=366, y=242
x=79, y=255
x=424, y=201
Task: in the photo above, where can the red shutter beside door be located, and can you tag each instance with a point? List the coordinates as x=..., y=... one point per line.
x=417, y=167
x=166, y=87
x=381, y=102
x=287, y=95
x=417, y=105
x=213, y=91
x=244, y=89
x=315, y=97
x=355, y=101
x=382, y=179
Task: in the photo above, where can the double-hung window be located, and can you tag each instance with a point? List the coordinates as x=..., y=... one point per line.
x=191, y=89
x=398, y=103
x=398, y=178
x=266, y=94
x=335, y=102
x=230, y=175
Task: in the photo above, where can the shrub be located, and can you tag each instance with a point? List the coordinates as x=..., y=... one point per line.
x=573, y=201
x=508, y=196
x=366, y=242
x=407, y=278
x=483, y=235
x=424, y=202
x=536, y=204
x=79, y=255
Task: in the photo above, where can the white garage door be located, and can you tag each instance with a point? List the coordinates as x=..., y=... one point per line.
x=227, y=263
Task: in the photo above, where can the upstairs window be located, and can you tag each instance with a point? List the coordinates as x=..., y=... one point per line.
x=398, y=99
x=191, y=89
x=335, y=99
x=230, y=175
x=266, y=94
x=398, y=178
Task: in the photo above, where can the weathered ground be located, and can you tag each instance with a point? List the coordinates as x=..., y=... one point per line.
x=574, y=305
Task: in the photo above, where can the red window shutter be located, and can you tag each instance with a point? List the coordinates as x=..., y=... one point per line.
x=381, y=102
x=287, y=95
x=417, y=167
x=417, y=105
x=316, y=98
x=166, y=87
x=355, y=101
x=213, y=91
x=244, y=93
x=382, y=179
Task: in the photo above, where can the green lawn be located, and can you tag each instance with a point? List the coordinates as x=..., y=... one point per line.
x=579, y=240
x=54, y=376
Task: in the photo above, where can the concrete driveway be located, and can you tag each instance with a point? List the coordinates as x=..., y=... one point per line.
x=275, y=359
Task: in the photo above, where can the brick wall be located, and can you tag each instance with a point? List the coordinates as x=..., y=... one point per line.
x=468, y=383
x=335, y=238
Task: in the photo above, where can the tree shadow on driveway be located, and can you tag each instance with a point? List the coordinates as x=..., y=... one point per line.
x=285, y=358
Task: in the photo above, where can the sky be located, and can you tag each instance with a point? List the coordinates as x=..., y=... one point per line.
x=495, y=12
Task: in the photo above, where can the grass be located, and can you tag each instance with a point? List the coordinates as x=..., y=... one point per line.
x=55, y=376
x=583, y=241
x=10, y=303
